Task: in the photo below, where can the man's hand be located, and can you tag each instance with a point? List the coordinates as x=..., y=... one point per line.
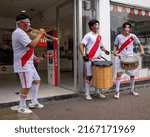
x=42, y=32
x=86, y=58
x=38, y=59
x=115, y=54
x=107, y=52
x=142, y=53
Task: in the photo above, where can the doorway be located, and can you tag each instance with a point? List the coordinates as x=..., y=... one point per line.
x=67, y=57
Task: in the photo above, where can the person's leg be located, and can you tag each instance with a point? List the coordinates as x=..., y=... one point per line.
x=118, y=81
x=26, y=80
x=34, y=91
x=131, y=73
x=120, y=71
x=98, y=93
x=87, y=87
x=132, y=84
x=88, y=80
x=23, y=95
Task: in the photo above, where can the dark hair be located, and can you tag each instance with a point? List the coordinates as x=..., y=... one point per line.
x=126, y=23
x=22, y=17
x=92, y=22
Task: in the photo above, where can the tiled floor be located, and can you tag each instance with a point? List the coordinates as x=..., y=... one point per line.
x=10, y=87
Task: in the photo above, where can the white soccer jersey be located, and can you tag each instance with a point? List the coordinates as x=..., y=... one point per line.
x=89, y=40
x=23, y=55
x=128, y=50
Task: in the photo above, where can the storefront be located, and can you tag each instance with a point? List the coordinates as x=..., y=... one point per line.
x=139, y=16
x=69, y=19
x=115, y=13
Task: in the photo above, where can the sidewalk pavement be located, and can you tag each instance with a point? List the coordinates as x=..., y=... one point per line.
x=127, y=107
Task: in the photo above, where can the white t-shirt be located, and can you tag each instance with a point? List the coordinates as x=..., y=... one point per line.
x=128, y=50
x=89, y=41
x=23, y=55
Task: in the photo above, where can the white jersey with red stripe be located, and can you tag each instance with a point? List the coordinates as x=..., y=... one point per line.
x=128, y=50
x=89, y=41
x=20, y=40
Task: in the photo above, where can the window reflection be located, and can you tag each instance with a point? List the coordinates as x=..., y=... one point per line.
x=140, y=20
x=88, y=13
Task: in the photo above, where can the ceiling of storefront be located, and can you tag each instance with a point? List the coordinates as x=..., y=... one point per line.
x=10, y=8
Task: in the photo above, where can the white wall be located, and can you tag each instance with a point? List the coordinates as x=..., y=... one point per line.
x=140, y=3
x=104, y=15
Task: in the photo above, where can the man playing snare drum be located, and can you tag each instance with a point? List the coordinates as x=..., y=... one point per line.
x=93, y=46
x=125, y=43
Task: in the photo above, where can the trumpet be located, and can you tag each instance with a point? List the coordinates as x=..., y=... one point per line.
x=34, y=32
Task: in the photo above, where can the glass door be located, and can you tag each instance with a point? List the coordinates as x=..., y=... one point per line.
x=67, y=69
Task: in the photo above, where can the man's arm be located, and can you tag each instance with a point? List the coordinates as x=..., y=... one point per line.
x=103, y=49
x=81, y=47
x=141, y=49
x=35, y=41
x=115, y=50
x=85, y=57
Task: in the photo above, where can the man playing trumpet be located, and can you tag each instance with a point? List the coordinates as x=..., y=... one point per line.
x=23, y=48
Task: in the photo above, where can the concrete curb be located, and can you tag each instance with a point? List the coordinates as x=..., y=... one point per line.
x=45, y=99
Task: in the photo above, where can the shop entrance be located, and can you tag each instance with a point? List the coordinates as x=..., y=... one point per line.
x=67, y=68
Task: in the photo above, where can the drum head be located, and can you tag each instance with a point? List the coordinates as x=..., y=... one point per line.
x=102, y=63
x=130, y=63
x=129, y=60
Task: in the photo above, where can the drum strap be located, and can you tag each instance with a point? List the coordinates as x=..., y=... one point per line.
x=95, y=47
x=126, y=43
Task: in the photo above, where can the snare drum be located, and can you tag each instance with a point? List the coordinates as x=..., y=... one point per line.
x=102, y=74
x=129, y=63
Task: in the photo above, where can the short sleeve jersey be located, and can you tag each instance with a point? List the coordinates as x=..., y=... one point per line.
x=128, y=50
x=23, y=55
x=89, y=41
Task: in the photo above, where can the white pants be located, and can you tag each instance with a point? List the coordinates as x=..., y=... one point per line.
x=88, y=67
x=26, y=78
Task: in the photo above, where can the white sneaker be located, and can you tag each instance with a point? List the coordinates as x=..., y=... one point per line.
x=116, y=95
x=134, y=93
x=24, y=110
x=88, y=97
x=15, y=108
x=100, y=95
x=37, y=105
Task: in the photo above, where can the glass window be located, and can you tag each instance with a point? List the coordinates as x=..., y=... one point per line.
x=140, y=20
x=88, y=12
x=6, y=52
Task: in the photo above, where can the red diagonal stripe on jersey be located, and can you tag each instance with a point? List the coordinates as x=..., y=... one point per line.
x=95, y=47
x=26, y=56
x=126, y=43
